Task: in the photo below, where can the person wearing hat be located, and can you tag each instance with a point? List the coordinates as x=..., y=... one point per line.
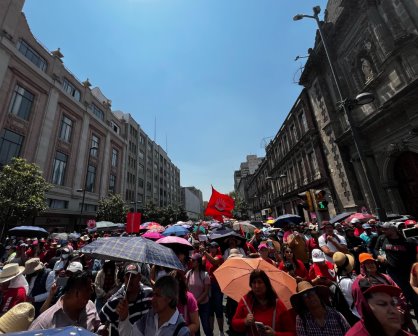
x=264, y=251
x=17, y=319
x=135, y=292
x=398, y=254
x=13, y=286
x=338, y=229
x=330, y=242
x=212, y=259
x=380, y=315
x=358, y=230
x=63, y=261
x=232, y=244
x=73, y=308
x=37, y=278
x=257, y=238
x=322, y=271
x=367, y=235
x=10, y=253
x=314, y=315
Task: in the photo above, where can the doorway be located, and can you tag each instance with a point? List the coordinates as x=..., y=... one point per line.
x=406, y=174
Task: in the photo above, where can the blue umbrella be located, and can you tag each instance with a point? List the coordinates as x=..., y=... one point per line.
x=28, y=231
x=340, y=217
x=135, y=249
x=175, y=231
x=293, y=219
x=72, y=330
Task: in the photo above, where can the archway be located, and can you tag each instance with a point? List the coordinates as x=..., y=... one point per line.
x=406, y=174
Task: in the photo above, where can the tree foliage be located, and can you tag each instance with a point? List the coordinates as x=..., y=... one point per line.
x=241, y=207
x=22, y=191
x=112, y=208
x=163, y=215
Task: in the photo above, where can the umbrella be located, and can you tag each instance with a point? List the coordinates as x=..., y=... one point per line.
x=245, y=226
x=103, y=225
x=66, y=331
x=137, y=249
x=281, y=220
x=89, y=248
x=29, y=232
x=360, y=216
x=221, y=238
x=234, y=277
x=340, y=217
x=155, y=227
x=215, y=225
x=153, y=235
x=176, y=231
x=175, y=242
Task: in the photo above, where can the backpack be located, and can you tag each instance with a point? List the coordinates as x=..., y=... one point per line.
x=339, y=302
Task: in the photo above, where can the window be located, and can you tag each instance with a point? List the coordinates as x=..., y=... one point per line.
x=115, y=155
x=302, y=122
x=140, y=182
x=141, y=168
x=112, y=184
x=57, y=204
x=97, y=112
x=32, y=55
x=66, y=129
x=114, y=127
x=10, y=146
x=88, y=207
x=58, y=169
x=22, y=102
x=314, y=163
x=71, y=90
x=294, y=132
x=149, y=187
x=91, y=177
x=94, y=145
x=141, y=154
x=141, y=139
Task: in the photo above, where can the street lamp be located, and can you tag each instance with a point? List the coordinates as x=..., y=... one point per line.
x=85, y=184
x=346, y=105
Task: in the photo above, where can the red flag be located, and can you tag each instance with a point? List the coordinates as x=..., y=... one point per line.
x=219, y=205
x=133, y=220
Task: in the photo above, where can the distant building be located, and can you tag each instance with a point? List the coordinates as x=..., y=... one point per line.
x=192, y=202
x=246, y=168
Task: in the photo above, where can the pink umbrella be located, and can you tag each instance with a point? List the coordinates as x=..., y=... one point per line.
x=175, y=243
x=153, y=235
x=360, y=216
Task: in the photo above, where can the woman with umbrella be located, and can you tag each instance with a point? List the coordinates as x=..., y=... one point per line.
x=261, y=312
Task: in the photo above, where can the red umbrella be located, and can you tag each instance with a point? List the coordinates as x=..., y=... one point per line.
x=410, y=222
x=360, y=216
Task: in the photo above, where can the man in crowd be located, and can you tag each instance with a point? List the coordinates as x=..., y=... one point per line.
x=367, y=235
x=137, y=295
x=73, y=308
x=297, y=243
x=163, y=319
x=330, y=242
x=257, y=238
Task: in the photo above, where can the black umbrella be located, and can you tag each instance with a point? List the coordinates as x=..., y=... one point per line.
x=29, y=232
x=340, y=217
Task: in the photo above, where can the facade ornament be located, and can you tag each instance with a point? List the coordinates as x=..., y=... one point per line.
x=367, y=69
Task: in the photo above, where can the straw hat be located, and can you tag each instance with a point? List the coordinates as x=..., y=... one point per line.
x=33, y=265
x=10, y=271
x=304, y=286
x=18, y=318
x=343, y=262
x=85, y=238
x=234, y=253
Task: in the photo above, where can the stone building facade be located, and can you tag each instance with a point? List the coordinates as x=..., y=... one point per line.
x=373, y=47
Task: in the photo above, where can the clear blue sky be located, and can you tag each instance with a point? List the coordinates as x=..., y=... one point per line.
x=216, y=74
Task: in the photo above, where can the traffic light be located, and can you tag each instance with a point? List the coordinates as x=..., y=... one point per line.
x=322, y=203
x=306, y=201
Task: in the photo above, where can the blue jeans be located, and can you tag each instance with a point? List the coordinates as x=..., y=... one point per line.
x=204, y=311
x=216, y=301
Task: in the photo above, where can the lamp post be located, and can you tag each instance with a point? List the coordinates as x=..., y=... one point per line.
x=346, y=104
x=85, y=185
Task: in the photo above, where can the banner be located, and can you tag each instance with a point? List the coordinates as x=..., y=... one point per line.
x=219, y=205
x=91, y=224
x=133, y=221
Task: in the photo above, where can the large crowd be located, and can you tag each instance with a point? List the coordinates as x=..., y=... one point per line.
x=351, y=278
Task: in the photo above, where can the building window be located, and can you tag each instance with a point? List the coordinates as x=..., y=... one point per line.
x=140, y=182
x=91, y=177
x=88, y=207
x=10, y=146
x=115, y=155
x=112, y=184
x=71, y=90
x=98, y=112
x=141, y=139
x=66, y=129
x=302, y=122
x=57, y=204
x=22, y=102
x=114, y=127
x=94, y=145
x=58, y=169
x=32, y=55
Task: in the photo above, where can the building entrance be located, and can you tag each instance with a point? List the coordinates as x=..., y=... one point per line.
x=406, y=174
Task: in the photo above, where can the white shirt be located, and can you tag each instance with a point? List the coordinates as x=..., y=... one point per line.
x=345, y=285
x=331, y=246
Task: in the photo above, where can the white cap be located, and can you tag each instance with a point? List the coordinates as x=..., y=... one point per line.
x=355, y=221
x=318, y=255
x=74, y=267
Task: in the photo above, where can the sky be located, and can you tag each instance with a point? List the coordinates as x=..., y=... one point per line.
x=216, y=77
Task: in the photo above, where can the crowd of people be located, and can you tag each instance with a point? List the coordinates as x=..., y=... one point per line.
x=351, y=279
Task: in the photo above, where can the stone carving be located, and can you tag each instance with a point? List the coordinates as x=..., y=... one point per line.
x=367, y=69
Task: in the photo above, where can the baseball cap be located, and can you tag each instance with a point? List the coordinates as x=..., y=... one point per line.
x=213, y=244
x=74, y=267
x=355, y=221
x=133, y=269
x=336, y=224
x=365, y=256
x=318, y=255
x=366, y=226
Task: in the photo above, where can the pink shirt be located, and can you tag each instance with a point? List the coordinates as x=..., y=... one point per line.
x=196, y=282
x=190, y=307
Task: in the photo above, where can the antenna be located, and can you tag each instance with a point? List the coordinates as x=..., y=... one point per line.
x=155, y=128
x=265, y=142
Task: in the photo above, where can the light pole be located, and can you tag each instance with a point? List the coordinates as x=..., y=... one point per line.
x=85, y=185
x=346, y=104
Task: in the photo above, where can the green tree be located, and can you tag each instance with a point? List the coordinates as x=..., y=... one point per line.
x=112, y=209
x=241, y=207
x=22, y=192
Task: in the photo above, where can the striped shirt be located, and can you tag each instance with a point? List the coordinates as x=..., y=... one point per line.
x=138, y=308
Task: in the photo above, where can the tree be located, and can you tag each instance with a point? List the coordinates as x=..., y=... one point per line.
x=112, y=209
x=241, y=207
x=22, y=192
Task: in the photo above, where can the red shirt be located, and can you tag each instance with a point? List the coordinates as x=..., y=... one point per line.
x=300, y=270
x=325, y=270
x=210, y=268
x=11, y=297
x=312, y=244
